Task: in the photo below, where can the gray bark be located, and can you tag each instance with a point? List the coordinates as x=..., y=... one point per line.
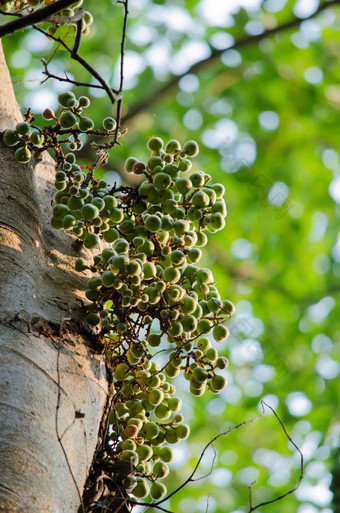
x=48, y=369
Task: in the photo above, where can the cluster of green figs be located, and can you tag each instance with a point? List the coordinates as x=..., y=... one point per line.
x=28, y=139
x=156, y=307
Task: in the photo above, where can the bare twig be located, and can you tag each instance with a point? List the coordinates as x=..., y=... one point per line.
x=75, y=56
x=37, y=16
x=155, y=95
x=78, y=36
x=253, y=508
x=69, y=80
x=191, y=478
x=121, y=80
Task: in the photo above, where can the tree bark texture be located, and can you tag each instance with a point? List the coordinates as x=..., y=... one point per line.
x=53, y=386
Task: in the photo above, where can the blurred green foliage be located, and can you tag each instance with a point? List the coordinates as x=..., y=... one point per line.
x=267, y=118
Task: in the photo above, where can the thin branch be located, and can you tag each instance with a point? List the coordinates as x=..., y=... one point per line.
x=35, y=17
x=192, y=475
x=78, y=36
x=75, y=56
x=68, y=79
x=155, y=95
x=253, y=508
x=192, y=478
x=121, y=80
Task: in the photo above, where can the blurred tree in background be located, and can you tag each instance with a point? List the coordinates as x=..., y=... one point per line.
x=263, y=100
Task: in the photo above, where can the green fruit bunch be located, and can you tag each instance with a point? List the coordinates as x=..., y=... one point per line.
x=145, y=418
x=26, y=139
x=148, y=268
x=69, y=123
x=147, y=288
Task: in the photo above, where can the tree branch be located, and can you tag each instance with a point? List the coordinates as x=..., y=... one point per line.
x=35, y=17
x=75, y=56
x=155, y=95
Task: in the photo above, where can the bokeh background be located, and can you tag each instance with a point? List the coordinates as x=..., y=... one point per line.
x=267, y=118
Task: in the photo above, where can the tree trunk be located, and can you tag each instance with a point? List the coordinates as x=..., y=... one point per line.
x=53, y=386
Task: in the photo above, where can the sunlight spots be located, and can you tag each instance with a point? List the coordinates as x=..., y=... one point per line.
x=247, y=475
x=274, y=5
x=222, y=40
x=318, y=228
x=221, y=477
x=228, y=457
x=330, y=158
x=321, y=264
x=142, y=34
x=242, y=248
x=319, y=311
x=334, y=189
x=270, y=399
x=40, y=99
x=304, y=8
x=216, y=406
x=298, y=404
x=231, y=58
x=263, y=373
x=313, y=75
x=189, y=83
x=190, y=52
x=278, y=194
x=254, y=28
x=269, y=120
x=21, y=59
x=327, y=367
x=36, y=42
x=193, y=119
x=321, y=343
x=253, y=388
x=318, y=493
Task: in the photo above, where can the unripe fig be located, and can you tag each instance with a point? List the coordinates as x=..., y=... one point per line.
x=22, y=154
x=217, y=383
x=153, y=223
x=161, y=181
x=157, y=490
x=67, y=119
x=183, y=431
x=93, y=318
x=23, y=128
x=129, y=456
x=109, y=124
x=64, y=97
x=11, y=137
x=91, y=241
x=141, y=488
x=89, y=212
x=220, y=332
x=84, y=101
x=85, y=124
x=165, y=453
x=191, y=148
x=172, y=146
x=160, y=469
x=155, y=144
x=228, y=306
x=144, y=452
x=37, y=138
x=222, y=362
x=197, y=179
